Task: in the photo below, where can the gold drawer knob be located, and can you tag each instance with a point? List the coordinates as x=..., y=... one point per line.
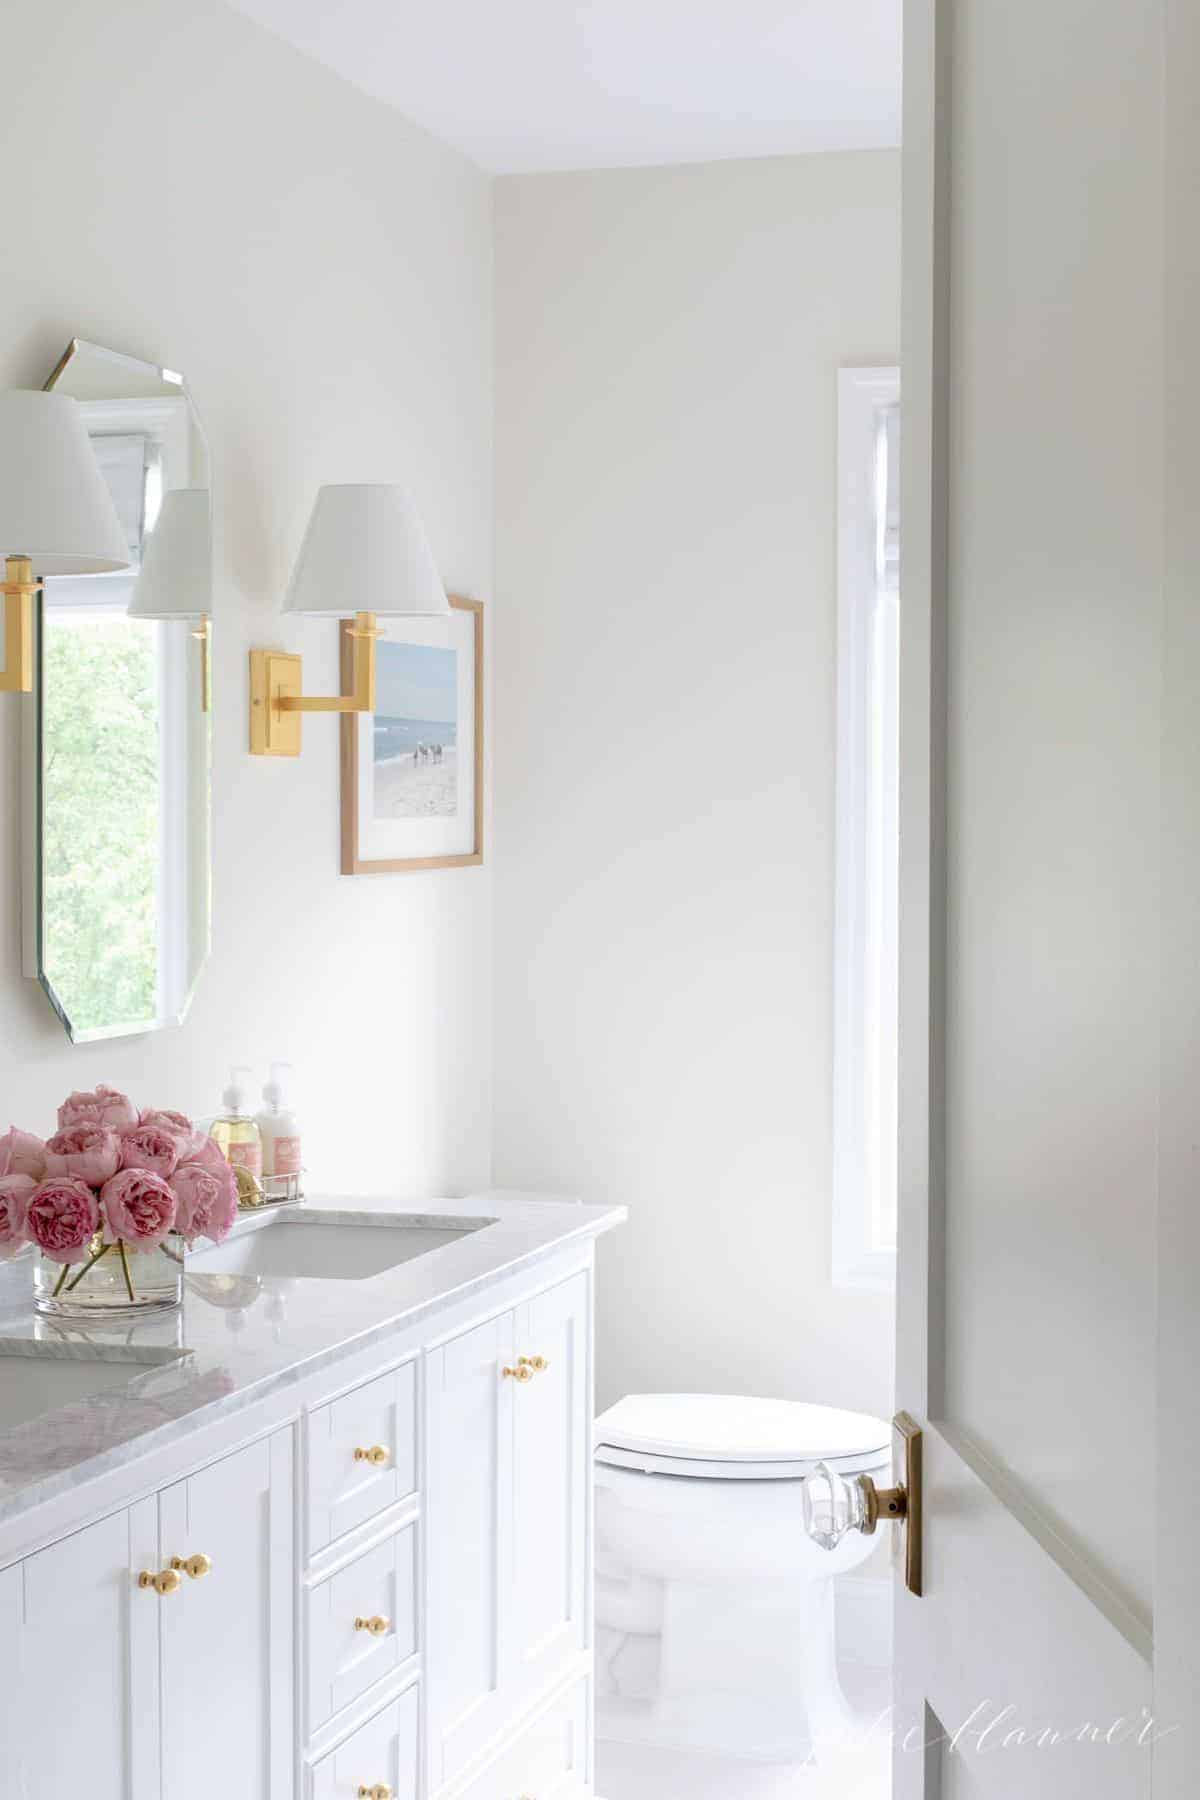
x=537, y=1363
x=376, y=1454
x=167, y=1581
x=522, y=1372
x=193, y=1566
x=380, y=1791
x=377, y=1625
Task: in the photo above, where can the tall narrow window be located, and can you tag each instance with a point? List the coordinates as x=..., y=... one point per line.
x=865, y=969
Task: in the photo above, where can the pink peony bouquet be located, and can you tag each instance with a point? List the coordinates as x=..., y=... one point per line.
x=112, y=1179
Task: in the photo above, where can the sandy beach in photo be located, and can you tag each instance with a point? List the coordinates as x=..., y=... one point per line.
x=407, y=789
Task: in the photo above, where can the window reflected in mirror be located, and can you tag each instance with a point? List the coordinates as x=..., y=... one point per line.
x=120, y=888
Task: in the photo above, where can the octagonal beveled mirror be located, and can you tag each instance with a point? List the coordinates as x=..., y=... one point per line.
x=118, y=746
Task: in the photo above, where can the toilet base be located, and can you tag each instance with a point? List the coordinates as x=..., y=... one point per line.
x=743, y=1671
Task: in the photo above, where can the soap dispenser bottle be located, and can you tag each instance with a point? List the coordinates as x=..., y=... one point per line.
x=280, y=1132
x=234, y=1131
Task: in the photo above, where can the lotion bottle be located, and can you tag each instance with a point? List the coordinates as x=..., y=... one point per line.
x=279, y=1128
x=234, y=1131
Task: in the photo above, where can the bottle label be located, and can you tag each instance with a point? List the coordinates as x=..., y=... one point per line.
x=246, y=1156
x=287, y=1156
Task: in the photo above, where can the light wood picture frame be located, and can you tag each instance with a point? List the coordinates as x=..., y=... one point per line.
x=418, y=769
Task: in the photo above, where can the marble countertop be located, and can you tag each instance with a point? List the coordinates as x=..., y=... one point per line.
x=237, y=1338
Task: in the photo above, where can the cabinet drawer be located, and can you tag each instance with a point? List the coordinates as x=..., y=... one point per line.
x=345, y=1487
x=381, y=1753
x=345, y=1657
x=548, y=1760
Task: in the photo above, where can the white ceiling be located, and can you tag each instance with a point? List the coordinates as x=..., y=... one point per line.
x=571, y=84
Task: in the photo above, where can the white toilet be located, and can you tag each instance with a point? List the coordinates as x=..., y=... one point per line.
x=714, y=1609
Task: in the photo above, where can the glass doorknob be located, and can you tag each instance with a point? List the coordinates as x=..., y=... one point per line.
x=833, y=1505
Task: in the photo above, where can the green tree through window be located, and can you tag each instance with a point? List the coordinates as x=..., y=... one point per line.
x=100, y=817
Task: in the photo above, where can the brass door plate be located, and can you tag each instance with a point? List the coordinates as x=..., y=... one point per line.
x=274, y=675
x=907, y=1450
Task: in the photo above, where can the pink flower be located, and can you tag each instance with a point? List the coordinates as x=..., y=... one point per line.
x=61, y=1216
x=207, y=1200
x=22, y=1154
x=90, y=1152
x=139, y=1208
x=180, y=1127
x=14, y=1193
x=208, y=1154
x=105, y=1107
x=150, y=1147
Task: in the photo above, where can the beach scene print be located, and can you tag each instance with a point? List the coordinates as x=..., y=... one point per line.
x=416, y=731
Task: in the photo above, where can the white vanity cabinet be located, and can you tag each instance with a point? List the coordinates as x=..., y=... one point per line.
x=509, y=1458
x=110, y=1687
x=79, y=1684
x=371, y=1579
x=227, y=1635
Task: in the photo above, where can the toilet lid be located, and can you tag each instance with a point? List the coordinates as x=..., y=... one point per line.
x=735, y=1435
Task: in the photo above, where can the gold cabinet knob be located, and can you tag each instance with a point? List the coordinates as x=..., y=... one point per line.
x=167, y=1581
x=193, y=1566
x=537, y=1363
x=377, y=1625
x=522, y=1372
x=380, y=1791
x=376, y=1454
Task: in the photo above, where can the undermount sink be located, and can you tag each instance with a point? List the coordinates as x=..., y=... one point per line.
x=36, y=1379
x=329, y=1247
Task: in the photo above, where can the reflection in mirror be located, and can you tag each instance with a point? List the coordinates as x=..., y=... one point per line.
x=120, y=887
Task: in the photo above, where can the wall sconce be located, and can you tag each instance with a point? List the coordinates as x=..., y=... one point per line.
x=364, y=540
x=175, y=579
x=56, y=514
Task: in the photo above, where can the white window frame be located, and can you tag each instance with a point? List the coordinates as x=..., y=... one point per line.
x=864, y=931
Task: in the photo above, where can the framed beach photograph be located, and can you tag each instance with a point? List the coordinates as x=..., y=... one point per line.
x=412, y=771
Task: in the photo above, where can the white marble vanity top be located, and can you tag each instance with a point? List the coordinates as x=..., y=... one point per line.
x=239, y=1337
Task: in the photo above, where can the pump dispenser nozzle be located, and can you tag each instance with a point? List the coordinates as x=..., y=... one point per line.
x=275, y=1091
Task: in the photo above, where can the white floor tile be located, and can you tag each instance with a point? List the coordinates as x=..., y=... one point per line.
x=644, y=1772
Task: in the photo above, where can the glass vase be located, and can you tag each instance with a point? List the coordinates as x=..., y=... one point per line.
x=110, y=1281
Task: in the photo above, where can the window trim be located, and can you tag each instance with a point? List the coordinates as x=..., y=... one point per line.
x=858, y=1261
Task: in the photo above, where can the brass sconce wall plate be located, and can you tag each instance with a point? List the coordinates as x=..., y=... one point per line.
x=275, y=675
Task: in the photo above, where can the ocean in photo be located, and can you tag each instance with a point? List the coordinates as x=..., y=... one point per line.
x=396, y=739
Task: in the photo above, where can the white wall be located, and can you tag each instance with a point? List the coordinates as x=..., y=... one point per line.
x=178, y=184
x=667, y=344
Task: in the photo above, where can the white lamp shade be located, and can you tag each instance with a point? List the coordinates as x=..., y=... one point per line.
x=54, y=505
x=175, y=580
x=365, y=550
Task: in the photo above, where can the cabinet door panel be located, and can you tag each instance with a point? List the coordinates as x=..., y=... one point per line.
x=552, y=1470
x=548, y=1761
x=79, y=1666
x=227, y=1638
x=469, y=1525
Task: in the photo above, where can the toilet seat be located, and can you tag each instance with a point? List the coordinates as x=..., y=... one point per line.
x=737, y=1438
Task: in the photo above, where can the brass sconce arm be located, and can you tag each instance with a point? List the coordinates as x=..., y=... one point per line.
x=277, y=697
x=20, y=588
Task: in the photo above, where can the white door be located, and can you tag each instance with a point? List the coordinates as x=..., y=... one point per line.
x=1031, y=715
x=551, y=1472
x=79, y=1665
x=468, y=1521
x=228, y=1634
